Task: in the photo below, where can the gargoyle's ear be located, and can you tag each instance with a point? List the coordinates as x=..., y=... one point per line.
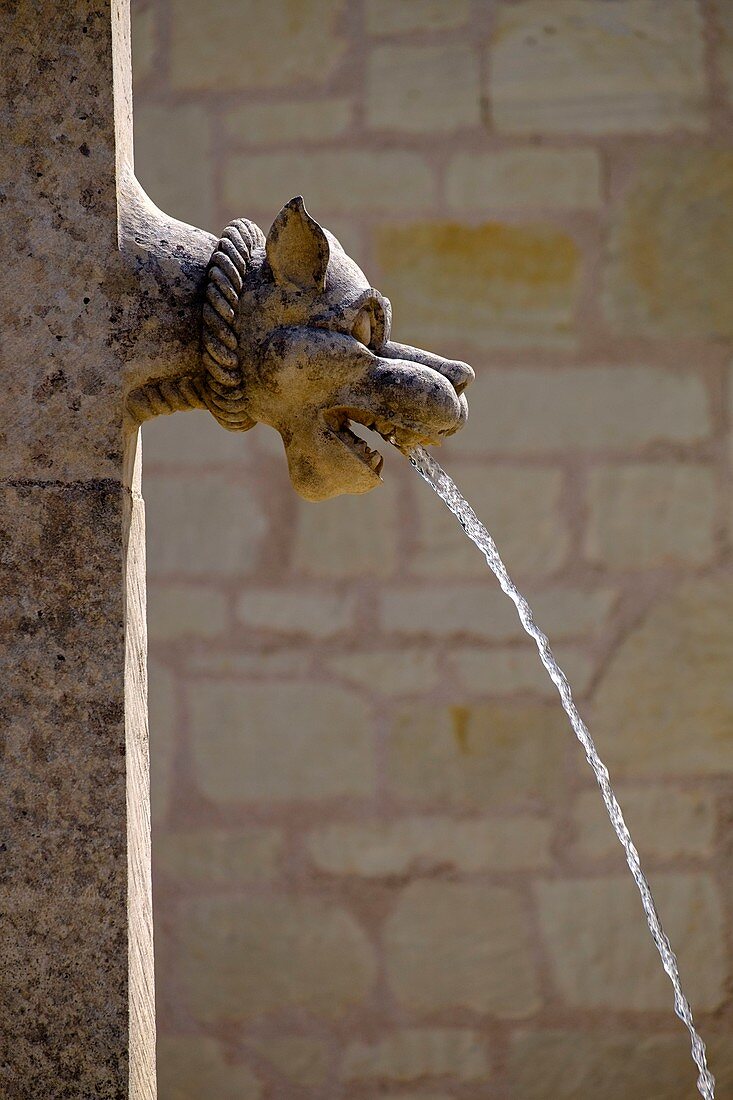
x=297, y=248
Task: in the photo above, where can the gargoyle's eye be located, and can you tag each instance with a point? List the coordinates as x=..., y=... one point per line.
x=362, y=329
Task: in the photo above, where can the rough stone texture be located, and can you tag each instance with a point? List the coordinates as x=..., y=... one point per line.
x=459, y=945
x=602, y=956
x=677, y=504
x=425, y=844
x=663, y=705
x=490, y=285
x=326, y=752
x=64, y=844
x=669, y=271
x=555, y=179
x=419, y=89
x=485, y=755
x=76, y=1002
x=191, y=1065
x=411, y=1054
x=582, y=66
x=269, y=953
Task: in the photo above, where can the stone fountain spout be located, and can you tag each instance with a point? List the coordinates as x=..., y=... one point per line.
x=291, y=335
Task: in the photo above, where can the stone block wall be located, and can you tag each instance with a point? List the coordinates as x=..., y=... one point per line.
x=381, y=866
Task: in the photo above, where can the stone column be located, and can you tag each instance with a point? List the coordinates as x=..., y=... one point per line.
x=85, y=302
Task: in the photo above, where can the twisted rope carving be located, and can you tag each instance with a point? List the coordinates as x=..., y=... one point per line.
x=220, y=387
x=224, y=388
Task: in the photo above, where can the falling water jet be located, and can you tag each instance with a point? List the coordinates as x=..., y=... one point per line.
x=444, y=486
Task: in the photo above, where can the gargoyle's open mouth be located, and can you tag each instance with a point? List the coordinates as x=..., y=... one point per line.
x=338, y=422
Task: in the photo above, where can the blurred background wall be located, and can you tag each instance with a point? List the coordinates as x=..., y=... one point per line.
x=381, y=867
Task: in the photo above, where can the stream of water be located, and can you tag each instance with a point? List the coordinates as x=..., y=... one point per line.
x=444, y=486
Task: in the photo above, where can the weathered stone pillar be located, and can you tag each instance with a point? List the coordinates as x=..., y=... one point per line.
x=79, y=309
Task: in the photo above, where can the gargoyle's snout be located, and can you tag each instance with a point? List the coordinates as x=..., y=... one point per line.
x=459, y=374
x=422, y=402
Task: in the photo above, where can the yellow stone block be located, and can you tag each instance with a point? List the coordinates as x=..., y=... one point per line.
x=487, y=755
x=491, y=285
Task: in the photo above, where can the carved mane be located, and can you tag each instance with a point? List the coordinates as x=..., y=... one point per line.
x=224, y=389
x=220, y=386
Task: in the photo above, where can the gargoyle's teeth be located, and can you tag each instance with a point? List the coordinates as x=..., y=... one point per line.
x=340, y=427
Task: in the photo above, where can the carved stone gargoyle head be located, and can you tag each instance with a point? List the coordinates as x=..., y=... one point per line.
x=295, y=337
